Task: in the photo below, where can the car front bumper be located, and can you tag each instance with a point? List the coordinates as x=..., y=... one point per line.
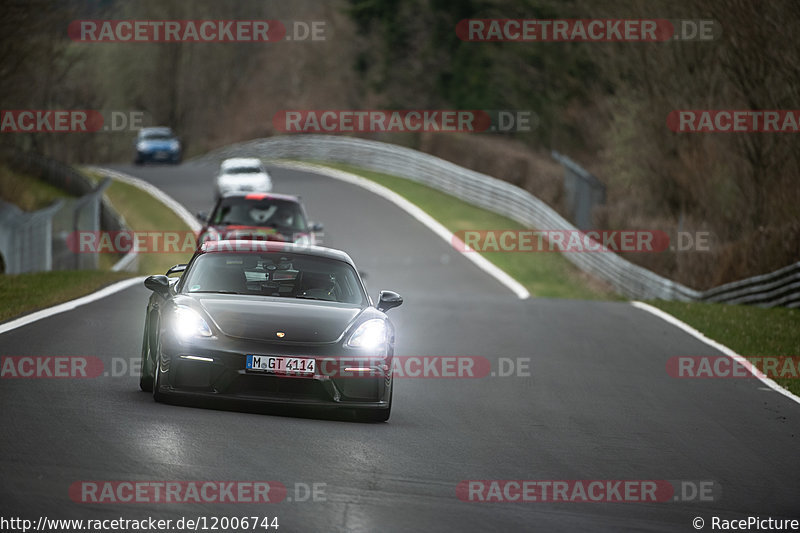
x=203, y=368
x=158, y=155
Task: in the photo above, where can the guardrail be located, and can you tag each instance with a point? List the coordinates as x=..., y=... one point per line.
x=39, y=241
x=582, y=191
x=779, y=288
x=25, y=238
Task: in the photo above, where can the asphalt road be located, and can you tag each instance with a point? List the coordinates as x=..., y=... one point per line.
x=598, y=404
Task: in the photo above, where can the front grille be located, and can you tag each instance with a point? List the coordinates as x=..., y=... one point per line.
x=278, y=387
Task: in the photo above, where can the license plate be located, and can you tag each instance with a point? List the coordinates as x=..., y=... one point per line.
x=274, y=364
x=162, y=155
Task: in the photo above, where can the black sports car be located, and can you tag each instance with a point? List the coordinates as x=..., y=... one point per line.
x=272, y=322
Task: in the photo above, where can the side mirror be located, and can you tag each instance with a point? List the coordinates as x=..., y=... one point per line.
x=389, y=300
x=176, y=268
x=202, y=216
x=316, y=227
x=157, y=284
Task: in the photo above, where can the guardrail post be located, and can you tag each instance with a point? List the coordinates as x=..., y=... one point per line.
x=89, y=205
x=582, y=192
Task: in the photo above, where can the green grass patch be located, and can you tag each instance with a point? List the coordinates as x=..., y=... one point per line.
x=545, y=275
x=749, y=331
x=26, y=293
x=26, y=192
x=143, y=212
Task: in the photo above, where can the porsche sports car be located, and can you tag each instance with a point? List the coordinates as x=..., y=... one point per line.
x=270, y=322
x=259, y=216
x=157, y=144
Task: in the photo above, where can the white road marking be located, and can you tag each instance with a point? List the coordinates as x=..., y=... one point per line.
x=716, y=345
x=195, y=225
x=420, y=215
x=160, y=195
x=157, y=193
x=69, y=306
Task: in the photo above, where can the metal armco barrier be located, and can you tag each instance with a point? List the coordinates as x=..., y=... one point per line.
x=779, y=288
x=37, y=241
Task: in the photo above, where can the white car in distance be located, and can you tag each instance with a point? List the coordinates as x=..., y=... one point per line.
x=242, y=174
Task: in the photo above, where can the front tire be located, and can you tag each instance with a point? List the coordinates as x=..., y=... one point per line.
x=146, y=378
x=157, y=394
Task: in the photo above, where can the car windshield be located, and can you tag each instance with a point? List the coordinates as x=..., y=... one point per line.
x=274, y=274
x=242, y=170
x=266, y=212
x=155, y=136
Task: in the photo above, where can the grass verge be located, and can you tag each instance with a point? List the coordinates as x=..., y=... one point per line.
x=25, y=293
x=144, y=213
x=545, y=275
x=749, y=331
x=26, y=192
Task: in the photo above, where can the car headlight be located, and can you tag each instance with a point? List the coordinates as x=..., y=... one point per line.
x=369, y=335
x=141, y=146
x=174, y=145
x=188, y=323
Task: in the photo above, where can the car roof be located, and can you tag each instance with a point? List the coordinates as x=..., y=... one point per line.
x=241, y=162
x=239, y=246
x=262, y=196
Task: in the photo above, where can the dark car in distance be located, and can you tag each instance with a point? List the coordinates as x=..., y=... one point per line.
x=157, y=144
x=259, y=216
x=270, y=322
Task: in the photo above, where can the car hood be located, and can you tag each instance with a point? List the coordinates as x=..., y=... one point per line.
x=259, y=318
